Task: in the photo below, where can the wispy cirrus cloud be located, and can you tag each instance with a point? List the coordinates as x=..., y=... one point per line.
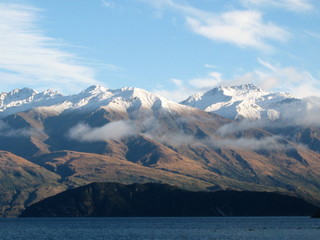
x=29, y=57
x=291, y=5
x=244, y=28
x=313, y=34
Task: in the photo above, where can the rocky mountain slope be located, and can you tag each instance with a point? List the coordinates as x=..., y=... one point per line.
x=129, y=135
x=160, y=200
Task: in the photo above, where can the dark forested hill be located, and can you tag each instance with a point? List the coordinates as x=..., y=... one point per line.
x=118, y=200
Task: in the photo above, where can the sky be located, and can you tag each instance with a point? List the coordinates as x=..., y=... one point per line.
x=170, y=47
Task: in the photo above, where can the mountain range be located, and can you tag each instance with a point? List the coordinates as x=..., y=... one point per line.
x=235, y=138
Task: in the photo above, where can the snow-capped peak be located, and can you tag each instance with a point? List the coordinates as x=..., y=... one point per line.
x=95, y=89
x=23, y=99
x=246, y=87
x=133, y=99
x=126, y=99
x=241, y=90
x=237, y=102
x=18, y=94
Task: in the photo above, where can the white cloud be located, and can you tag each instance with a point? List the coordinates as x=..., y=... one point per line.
x=108, y=4
x=183, y=89
x=179, y=92
x=303, y=113
x=244, y=28
x=111, y=131
x=246, y=143
x=29, y=57
x=274, y=78
x=7, y=131
x=291, y=5
x=267, y=65
x=267, y=143
x=313, y=34
x=213, y=79
x=210, y=66
x=153, y=129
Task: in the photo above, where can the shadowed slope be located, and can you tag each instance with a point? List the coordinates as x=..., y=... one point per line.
x=117, y=200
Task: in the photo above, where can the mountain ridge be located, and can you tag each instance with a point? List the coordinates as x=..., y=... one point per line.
x=93, y=97
x=129, y=135
x=236, y=102
x=240, y=102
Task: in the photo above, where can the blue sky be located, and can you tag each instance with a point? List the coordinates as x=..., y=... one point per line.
x=170, y=47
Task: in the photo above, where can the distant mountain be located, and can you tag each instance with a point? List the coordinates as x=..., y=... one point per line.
x=158, y=200
x=19, y=100
x=241, y=102
x=129, y=135
x=126, y=99
x=297, y=120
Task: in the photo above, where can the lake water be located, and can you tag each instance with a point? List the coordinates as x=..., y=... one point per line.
x=231, y=228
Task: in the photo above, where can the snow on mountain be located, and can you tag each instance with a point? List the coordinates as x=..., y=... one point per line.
x=125, y=99
x=121, y=99
x=19, y=100
x=238, y=102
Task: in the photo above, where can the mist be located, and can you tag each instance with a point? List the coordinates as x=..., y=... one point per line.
x=8, y=131
x=174, y=134
x=111, y=131
x=272, y=143
x=303, y=113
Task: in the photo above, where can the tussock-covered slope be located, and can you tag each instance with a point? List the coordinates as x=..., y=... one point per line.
x=23, y=183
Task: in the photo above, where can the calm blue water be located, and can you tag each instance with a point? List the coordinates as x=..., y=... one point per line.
x=235, y=228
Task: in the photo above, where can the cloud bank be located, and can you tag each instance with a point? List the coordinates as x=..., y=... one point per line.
x=153, y=129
